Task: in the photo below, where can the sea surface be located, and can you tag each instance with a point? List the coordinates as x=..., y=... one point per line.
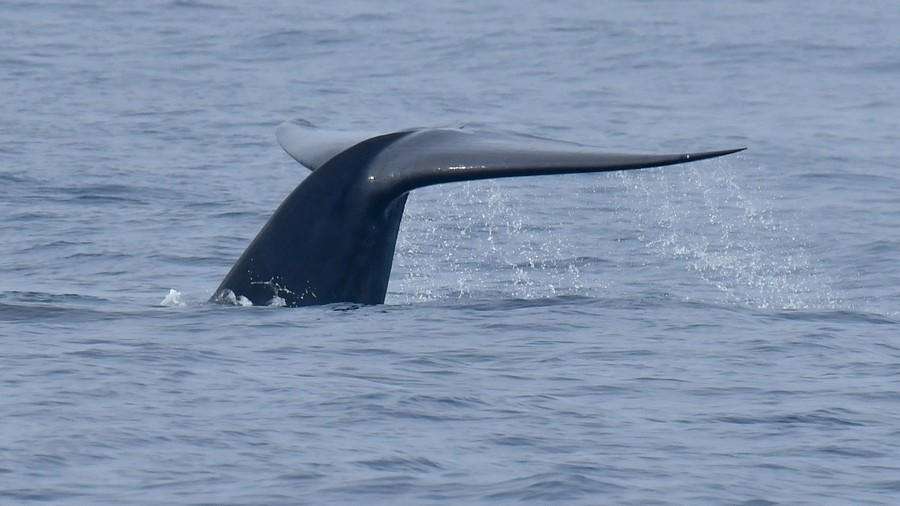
x=724, y=332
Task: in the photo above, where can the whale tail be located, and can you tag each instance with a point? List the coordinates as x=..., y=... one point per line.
x=333, y=238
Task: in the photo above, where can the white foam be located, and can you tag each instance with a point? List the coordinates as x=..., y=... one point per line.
x=229, y=297
x=173, y=299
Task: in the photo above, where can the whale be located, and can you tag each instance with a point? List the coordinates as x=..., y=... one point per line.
x=332, y=239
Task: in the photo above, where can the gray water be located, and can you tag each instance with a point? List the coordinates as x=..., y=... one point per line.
x=719, y=333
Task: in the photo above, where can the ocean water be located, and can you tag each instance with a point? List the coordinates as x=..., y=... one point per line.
x=725, y=332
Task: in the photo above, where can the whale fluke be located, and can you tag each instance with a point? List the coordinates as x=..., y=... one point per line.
x=333, y=238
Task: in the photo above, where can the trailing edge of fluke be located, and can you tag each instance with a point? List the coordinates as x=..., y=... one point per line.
x=333, y=238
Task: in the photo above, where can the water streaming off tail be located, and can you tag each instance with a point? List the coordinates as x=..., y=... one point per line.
x=479, y=239
x=492, y=239
x=735, y=238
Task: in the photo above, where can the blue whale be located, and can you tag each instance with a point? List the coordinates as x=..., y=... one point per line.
x=333, y=238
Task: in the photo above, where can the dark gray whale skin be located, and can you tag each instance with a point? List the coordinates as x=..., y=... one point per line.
x=332, y=240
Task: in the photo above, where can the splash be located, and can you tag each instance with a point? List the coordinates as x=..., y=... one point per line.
x=276, y=301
